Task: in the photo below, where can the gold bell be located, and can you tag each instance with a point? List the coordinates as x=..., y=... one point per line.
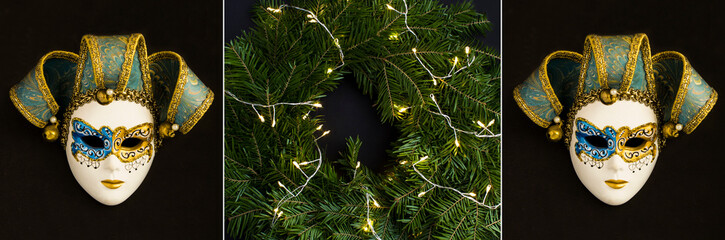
x=608, y=96
x=50, y=132
x=104, y=97
x=554, y=133
x=671, y=130
x=168, y=130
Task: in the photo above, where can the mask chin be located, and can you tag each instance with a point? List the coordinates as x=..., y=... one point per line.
x=614, y=177
x=106, y=166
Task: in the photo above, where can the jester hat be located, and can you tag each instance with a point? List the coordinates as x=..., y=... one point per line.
x=612, y=68
x=107, y=68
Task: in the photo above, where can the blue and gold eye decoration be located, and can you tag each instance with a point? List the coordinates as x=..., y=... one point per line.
x=93, y=144
x=109, y=68
x=599, y=144
x=613, y=68
x=635, y=146
x=133, y=147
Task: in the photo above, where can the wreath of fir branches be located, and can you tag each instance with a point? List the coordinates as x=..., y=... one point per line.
x=429, y=76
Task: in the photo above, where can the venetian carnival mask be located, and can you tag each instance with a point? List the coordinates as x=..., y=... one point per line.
x=621, y=104
x=117, y=105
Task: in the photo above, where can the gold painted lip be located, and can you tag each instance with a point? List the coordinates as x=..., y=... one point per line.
x=616, y=183
x=112, y=184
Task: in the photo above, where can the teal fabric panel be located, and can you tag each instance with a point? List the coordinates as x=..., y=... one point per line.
x=591, y=80
x=639, y=79
x=698, y=92
x=59, y=75
x=164, y=74
x=563, y=77
x=135, y=80
x=668, y=75
x=615, y=50
x=112, y=51
x=31, y=98
x=195, y=92
x=535, y=99
x=87, y=79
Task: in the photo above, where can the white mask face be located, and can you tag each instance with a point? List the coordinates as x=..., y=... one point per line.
x=614, y=148
x=110, y=148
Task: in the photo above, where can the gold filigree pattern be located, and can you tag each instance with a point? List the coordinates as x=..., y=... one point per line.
x=647, y=132
x=143, y=132
x=127, y=95
x=694, y=122
x=196, y=116
x=132, y=156
x=646, y=98
x=135, y=43
x=635, y=156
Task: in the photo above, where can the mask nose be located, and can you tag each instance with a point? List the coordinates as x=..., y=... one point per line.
x=617, y=165
x=113, y=165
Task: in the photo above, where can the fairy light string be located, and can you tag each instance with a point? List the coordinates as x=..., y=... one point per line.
x=296, y=191
x=292, y=193
x=468, y=195
x=369, y=227
x=313, y=19
x=452, y=72
x=484, y=133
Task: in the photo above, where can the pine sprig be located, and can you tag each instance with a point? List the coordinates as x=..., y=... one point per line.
x=287, y=58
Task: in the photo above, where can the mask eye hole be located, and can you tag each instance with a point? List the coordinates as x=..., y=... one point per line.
x=93, y=141
x=131, y=143
x=634, y=142
x=596, y=141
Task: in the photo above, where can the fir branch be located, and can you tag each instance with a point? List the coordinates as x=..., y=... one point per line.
x=292, y=55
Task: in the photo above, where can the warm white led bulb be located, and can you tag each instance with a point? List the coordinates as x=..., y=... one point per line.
x=468, y=50
x=261, y=118
x=390, y=6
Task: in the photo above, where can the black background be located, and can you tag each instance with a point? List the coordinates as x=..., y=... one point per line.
x=181, y=197
x=543, y=196
x=347, y=112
